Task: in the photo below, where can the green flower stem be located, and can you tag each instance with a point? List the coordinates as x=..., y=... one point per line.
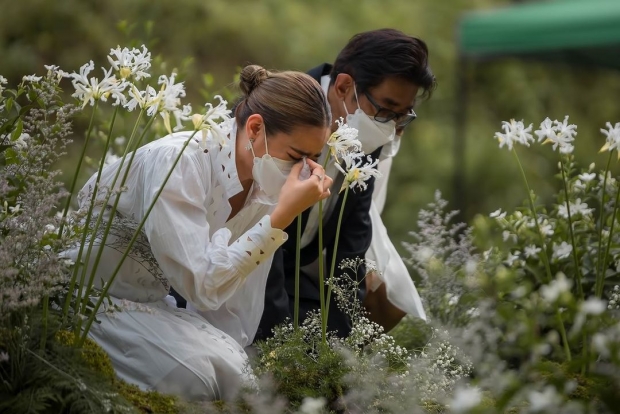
x=46, y=304
x=91, y=279
x=297, y=270
x=572, y=235
x=83, y=295
x=600, y=273
x=107, y=286
x=544, y=254
x=601, y=285
x=65, y=309
x=333, y=266
x=77, y=170
x=322, y=275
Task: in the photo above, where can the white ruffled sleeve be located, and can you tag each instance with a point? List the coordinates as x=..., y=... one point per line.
x=205, y=271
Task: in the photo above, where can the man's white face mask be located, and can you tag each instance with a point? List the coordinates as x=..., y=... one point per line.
x=270, y=174
x=371, y=133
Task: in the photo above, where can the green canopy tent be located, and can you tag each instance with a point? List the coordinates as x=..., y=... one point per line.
x=579, y=31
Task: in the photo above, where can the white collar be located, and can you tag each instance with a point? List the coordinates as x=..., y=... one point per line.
x=224, y=165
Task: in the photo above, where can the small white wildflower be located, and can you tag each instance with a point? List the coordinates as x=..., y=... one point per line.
x=553, y=290
x=587, y=177
x=531, y=251
x=577, y=208
x=612, y=137
x=546, y=228
x=593, y=306
x=498, y=214
x=16, y=209
x=49, y=228
x=578, y=186
x=560, y=134
x=424, y=254
x=512, y=257
x=561, y=251
x=120, y=141
x=514, y=131
x=3, y=81
x=546, y=400
x=31, y=78
x=4, y=356
x=311, y=405
x=600, y=344
x=465, y=398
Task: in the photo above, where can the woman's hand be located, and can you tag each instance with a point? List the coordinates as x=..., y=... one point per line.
x=297, y=195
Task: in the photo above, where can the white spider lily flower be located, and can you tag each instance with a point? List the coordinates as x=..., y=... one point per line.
x=88, y=90
x=514, y=131
x=131, y=63
x=343, y=140
x=560, y=134
x=208, y=122
x=356, y=174
x=576, y=208
x=180, y=115
x=146, y=99
x=561, y=251
x=612, y=134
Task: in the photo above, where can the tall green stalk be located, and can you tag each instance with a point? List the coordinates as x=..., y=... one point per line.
x=89, y=285
x=544, y=255
x=601, y=285
x=135, y=236
x=65, y=310
x=600, y=270
x=322, y=275
x=572, y=235
x=297, y=271
x=333, y=265
x=77, y=169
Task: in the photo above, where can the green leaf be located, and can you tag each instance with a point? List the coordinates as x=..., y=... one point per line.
x=19, y=127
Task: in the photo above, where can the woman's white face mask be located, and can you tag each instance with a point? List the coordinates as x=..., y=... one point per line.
x=372, y=134
x=270, y=174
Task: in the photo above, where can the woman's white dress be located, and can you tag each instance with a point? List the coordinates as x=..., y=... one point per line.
x=220, y=267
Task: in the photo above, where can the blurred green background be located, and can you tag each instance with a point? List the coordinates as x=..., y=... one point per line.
x=208, y=40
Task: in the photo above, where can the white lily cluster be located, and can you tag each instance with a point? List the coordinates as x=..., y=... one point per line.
x=560, y=134
x=129, y=65
x=343, y=143
x=514, y=132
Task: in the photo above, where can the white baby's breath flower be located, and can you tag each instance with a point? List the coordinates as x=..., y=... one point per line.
x=561, y=251
x=612, y=137
x=120, y=141
x=553, y=290
x=560, y=134
x=131, y=63
x=531, y=251
x=21, y=143
x=88, y=90
x=465, y=398
x=514, y=131
x=587, y=177
x=498, y=214
x=343, y=140
x=355, y=172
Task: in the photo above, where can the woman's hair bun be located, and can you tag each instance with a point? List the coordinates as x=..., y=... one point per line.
x=251, y=77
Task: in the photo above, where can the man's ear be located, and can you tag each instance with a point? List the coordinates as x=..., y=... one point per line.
x=343, y=85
